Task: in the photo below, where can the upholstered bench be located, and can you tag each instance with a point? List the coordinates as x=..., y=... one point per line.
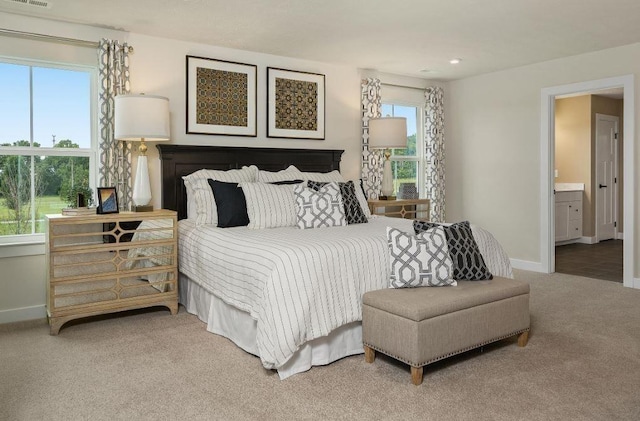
x=419, y=326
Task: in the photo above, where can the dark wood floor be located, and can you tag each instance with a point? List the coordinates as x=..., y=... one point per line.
x=601, y=261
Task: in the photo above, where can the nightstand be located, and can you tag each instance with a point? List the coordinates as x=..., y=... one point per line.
x=401, y=208
x=97, y=265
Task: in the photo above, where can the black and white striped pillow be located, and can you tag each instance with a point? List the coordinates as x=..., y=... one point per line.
x=269, y=205
x=201, y=204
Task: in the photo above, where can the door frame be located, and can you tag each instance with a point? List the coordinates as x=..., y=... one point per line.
x=616, y=171
x=547, y=165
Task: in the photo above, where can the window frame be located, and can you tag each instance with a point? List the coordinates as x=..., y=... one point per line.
x=32, y=244
x=420, y=156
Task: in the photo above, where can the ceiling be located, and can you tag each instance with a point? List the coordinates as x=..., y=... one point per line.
x=406, y=37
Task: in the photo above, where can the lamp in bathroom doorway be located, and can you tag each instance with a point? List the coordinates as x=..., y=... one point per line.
x=387, y=133
x=140, y=117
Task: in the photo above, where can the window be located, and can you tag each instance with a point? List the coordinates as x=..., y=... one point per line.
x=47, y=146
x=408, y=164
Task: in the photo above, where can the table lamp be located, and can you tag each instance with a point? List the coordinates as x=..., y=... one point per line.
x=387, y=133
x=140, y=117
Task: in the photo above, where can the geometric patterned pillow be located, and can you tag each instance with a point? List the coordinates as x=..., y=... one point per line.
x=468, y=263
x=352, y=209
x=421, y=260
x=321, y=208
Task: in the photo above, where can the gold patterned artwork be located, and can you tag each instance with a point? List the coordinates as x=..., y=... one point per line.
x=296, y=106
x=221, y=97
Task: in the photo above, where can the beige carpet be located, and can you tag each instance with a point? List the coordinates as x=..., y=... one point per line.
x=582, y=363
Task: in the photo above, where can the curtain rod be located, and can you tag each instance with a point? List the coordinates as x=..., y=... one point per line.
x=52, y=38
x=402, y=86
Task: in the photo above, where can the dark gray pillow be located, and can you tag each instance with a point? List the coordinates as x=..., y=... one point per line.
x=468, y=263
x=352, y=209
x=231, y=204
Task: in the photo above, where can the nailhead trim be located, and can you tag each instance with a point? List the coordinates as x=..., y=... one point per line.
x=450, y=354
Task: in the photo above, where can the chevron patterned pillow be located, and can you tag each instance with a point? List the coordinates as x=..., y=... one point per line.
x=421, y=260
x=468, y=264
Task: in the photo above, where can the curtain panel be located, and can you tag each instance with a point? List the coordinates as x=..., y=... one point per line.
x=371, y=160
x=434, y=144
x=114, y=159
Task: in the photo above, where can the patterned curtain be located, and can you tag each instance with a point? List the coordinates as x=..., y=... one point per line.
x=434, y=143
x=371, y=160
x=114, y=155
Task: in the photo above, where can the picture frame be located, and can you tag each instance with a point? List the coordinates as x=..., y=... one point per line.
x=221, y=97
x=107, y=200
x=295, y=104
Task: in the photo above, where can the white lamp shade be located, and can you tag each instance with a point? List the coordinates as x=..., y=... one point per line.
x=141, y=116
x=388, y=132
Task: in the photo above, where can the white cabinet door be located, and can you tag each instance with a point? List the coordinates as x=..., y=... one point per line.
x=562, y=221
x=568, y=215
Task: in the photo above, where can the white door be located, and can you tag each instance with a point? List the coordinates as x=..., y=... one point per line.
x=606, y=176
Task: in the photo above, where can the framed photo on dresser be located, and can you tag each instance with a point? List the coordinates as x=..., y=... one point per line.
x=107, y=200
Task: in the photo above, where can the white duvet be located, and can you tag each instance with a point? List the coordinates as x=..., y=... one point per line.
x=299, y=284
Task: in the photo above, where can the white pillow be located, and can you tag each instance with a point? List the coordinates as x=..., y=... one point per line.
x=322, y=176
x=201, y=204
x=421, y=260
x=362, y=199
x=269, y=205
x=291, y=173
x=319, y=208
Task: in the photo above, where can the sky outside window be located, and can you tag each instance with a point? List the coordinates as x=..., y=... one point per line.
x=61, y=105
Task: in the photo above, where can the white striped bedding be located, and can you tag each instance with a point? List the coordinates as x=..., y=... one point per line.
x=297, y=284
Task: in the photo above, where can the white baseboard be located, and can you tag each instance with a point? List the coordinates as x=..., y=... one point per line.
x=636, y=283
x=620, y=236
x=587, y=240
x=22, y=314
x=566, y=242
x=527, y=265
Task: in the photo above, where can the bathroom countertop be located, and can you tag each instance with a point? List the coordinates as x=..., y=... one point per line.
x=569, y=187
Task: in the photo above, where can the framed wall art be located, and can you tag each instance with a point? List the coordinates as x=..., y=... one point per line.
x=295, y=104
x=221, y=97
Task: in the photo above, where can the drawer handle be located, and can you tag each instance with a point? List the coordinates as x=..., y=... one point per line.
x=601, y=186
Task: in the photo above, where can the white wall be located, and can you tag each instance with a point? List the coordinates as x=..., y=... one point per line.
x=493, y=144
x=158, y=67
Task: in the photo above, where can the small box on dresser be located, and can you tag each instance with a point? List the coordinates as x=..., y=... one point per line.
x=97, y=265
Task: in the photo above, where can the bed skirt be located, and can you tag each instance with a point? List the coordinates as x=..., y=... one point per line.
x=238, y=326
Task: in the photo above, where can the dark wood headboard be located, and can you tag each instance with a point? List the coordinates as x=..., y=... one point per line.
x=181, y=160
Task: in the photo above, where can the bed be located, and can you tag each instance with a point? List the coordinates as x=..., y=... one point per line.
x=291, y=297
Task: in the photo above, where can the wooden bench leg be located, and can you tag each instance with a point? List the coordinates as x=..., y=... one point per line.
x=369, y=354
x=523, y=338
x=416, y=375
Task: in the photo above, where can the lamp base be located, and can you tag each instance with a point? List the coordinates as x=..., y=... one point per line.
x=381, y=197
x=142, y=208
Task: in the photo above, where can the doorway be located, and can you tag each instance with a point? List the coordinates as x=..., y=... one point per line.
x=547, y=165
x=586, y=184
